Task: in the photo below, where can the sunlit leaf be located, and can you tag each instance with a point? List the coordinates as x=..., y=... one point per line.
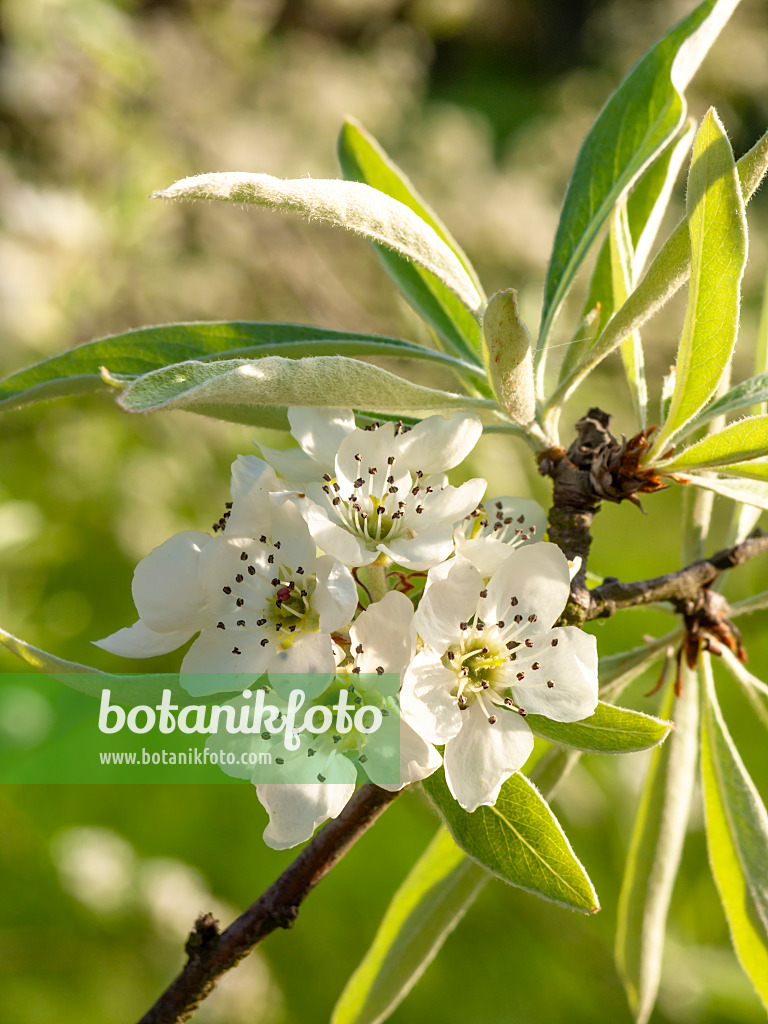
x=610, y=730
x=747, y=439
x=362, y=159
x=240, y=388
x=519, y=840
x=439, y=889
x=345, y=204
x=718, y=231
x=753, y=391
x=749, y=492
x=638, y=121
x=622, y=281
x=737, y=840
x=654, y=853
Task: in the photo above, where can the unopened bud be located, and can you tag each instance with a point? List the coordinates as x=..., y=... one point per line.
x=509, y=356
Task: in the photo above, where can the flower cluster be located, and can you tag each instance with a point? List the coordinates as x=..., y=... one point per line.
x=315, y=567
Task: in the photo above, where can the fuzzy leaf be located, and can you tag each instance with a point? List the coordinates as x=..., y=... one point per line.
x=748, y=492
x=748, y=392
x=654, y=854
x=519, y=840
x=362, y=159
x=747, y=439
x=667, y=273
x=610, y=730
x=638, y=121
x=737, y=840
x=718, y=231
x=344, y=204
x=150, y=348
x=439, y=889
x=622, y=281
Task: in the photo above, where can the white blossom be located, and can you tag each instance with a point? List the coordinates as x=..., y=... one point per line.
x=490, y=655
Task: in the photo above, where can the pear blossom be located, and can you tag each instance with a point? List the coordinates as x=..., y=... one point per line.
x=490, y=655
x=382, y=640
x=387, y=493
x=496, y=528
x=257, y=593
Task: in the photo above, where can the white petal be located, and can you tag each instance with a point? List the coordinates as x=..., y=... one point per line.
x=451, y=504
x=252, y=480
x=386, y=633
x=335, y=596
x=289, y=527
x=538, y=576
x=320, y=430
x=447, y=604
x=248, y=473
x=212, y=654
x=418, y=759
x=426, y=701
x=139, y=641
x=166, y=585
x=295, y=811
x=571, y=665
x=426, y=549
x=309, y=652
x=294, y=465
x=436, y=444
x=335, y=540
x=374, y=447
x=483, y=756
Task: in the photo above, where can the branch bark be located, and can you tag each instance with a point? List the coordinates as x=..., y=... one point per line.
x=683, y=589
x=211, y=953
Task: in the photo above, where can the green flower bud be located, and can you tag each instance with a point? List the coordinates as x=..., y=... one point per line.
x=509, y=356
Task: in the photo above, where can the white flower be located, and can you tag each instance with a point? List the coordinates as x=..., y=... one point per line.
x=497, y=528
x=257, y=593
x=382, y=641
x=490, y=655
x=387, y=492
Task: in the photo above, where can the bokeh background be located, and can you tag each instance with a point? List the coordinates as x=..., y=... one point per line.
x=484, y=103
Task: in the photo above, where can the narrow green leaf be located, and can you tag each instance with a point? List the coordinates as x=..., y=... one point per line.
x=754, y=689
x=654, y=853
x=748, y=392
x=345, y=204
x=150, y=348
x=617, y=671
x=667, y=273
x=747, y=439
x=639, y=119
x=748, y=492
x=646, y=205
x=239, y=386
x=718, y=231
x=438, y=891
x=737, y=840
x=362, y=159
x=761, y=349
x=622, y=280
x=610, y=730
x=519, y=840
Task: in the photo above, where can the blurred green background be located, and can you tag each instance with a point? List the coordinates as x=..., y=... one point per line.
x=484, y=103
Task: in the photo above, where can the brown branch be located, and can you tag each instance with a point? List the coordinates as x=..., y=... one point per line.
x=683, y=589
x=211, y=953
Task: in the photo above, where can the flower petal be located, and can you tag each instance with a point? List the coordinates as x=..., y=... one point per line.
x=295, y=811
x=335, y=597
x=448, y=603
x=386, y=633
x=436, y=443
x=418, y=759
x=334, y=539
x=423, y=551
x=450, y=504
x=309, y=652
x=571, y=666
x=483, y=756
x=166, y=585
x=538, y=577
x=139, y=641
x=425, y=699
x=320, y=431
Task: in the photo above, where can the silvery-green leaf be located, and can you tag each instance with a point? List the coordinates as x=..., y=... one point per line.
x=744, y=440
x=638, y=121
x=137, y=352
x=519, y=840
x=654, y=853
x=718, y=233
x=748, y=492
x=508, y=356
x=610, y=730
x=236, y=386
x=439, y=889
x=345, y=204
x=646, y=205
x=363, y=159
x=754, y=689
x=667, y=273
x=617, y=671
x=753, y=391
x=622, y=281
x=737, y=839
